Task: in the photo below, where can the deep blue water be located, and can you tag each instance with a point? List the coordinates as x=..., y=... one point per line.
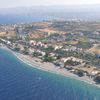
x=19, y=81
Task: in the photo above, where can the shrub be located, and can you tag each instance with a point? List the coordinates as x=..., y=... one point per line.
x=97, y=79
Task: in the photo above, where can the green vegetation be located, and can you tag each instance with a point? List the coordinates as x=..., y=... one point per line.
x=17, y=48
x=69, y=68
x=98, y=47
x=80, y=73
x=84, y=45
x=48, y=58
x=26, y=51
x=49, y=49
x=36, y=54
x=42, y=39
x=88, y=57
x=97, y=79
x=71, y=63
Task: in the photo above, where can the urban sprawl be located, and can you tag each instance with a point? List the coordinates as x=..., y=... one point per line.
x=70, y=45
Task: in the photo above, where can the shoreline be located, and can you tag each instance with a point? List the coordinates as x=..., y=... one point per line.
x=49, y=67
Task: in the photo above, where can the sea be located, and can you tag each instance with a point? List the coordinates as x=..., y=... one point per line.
x=16, y=19
x=19, y=81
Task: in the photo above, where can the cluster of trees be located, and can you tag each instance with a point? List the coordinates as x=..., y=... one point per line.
x=26, y=50
x=49, y=49
x=88, y=57
x=47, y=58
x=71, y=63
x=17, y=48
x=80, y=73
x=36, y=54
x=84, y=45
x=97, y=79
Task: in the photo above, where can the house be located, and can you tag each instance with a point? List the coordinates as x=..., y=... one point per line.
x=57, y=47
x=31, y=50
x=72, y=58
x=94, y=73
x=40, y=44
x=32, y=42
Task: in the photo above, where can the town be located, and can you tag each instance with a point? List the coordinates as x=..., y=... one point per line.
x=70, y=45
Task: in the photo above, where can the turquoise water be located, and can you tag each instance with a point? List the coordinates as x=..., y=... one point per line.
x=19, y=81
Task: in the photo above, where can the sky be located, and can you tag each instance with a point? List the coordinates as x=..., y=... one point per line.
x=28, y=3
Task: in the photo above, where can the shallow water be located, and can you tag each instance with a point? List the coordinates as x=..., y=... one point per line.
x=19, y=81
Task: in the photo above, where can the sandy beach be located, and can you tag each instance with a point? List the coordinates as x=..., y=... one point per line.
x=46, y=66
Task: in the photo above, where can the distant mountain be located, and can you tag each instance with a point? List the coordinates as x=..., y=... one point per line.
x=84, y=12
x=73, y=8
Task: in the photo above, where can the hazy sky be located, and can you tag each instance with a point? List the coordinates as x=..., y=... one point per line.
x=21, y=3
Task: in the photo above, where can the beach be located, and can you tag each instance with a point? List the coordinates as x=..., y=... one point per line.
x=50, y=67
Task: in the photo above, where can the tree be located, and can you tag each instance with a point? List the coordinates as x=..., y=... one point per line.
x=36, y=54
x=47, y=58
x=25, y=50
x=97, y=79
x=49, y=49
x=17, y=48
x=71, y=63
x=80, y=73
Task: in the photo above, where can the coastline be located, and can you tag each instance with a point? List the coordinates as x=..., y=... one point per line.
x=49, y=67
